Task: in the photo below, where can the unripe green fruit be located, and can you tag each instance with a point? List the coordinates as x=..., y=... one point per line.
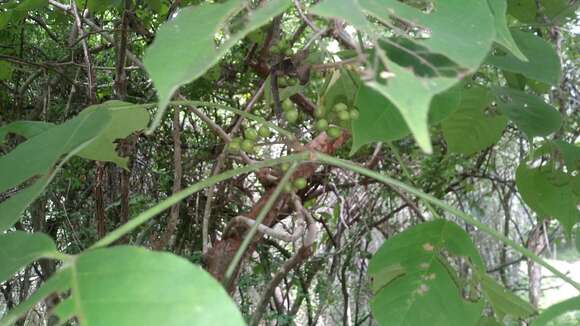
x=291, y=116
x=247, y=146
x=287, y=105
x=264, y=132
x=321, y=125
x=234, y=146
x=354, y=114
x=284, y=167
x=319, y=112
x=282, y=82
x=340, y=107
x=299, y=183
x=292, y=82
x=251, y=134
x=343, y=115
x=288, y=187
x=333, y=132
x=288, y=52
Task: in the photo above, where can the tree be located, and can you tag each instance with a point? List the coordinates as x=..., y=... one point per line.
x=285, y=162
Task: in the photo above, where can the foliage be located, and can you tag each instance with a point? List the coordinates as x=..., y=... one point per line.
x=265, y=97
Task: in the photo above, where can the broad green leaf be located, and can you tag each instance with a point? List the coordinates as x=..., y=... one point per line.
x=529, y=112
x=155, y=5
x=57, y=283
x=475, y=126
x=503, y=302
x=28, y=5
x=488, y=321
x=26, y=129
x=130, y=286
x=410, y=279
x=126, y=118
x=570, y=154
x=38, y=157
x=185, y=47
x=18, y=249
x=348, y=10
x=543, y=63
x=465, y=39
x=558, y=309
x=559, y=150
x=503, y=35
x=134, y=286
x=96, y=6
x=550, y=193
x=380, y=121
x=414, y=81
x=555, y=11
x=5, y=70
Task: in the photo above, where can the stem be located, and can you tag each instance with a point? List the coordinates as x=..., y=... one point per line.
x=172, y=200
x=465, y=217
x=259, y=219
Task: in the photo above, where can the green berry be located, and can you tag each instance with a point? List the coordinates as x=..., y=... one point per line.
x=264, y=132
x=282, y=82
x=343, y=115
x=292, y=82
x=340, y=107
x=288, y=187
x=234, y=146
x=291, y=116
x=333, y=132
x=299, y=183
x=287, y=105
x=321, y=125
x=354, y=114
x=284, y=167
x=251, y=134
x=248, y=146
x=319, y=112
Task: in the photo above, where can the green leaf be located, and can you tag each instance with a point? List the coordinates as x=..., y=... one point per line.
x=555, y=11
x=381, y=121
x=529, y=112
x=59, y=282
x=348, y=10
x=503, y=35
x=550, y=193
x=414, y=83
x=126, y=118
x=558, y=309
x=185, y=47
x=503, y=302
x=38, y=157
x=28, y=5
x=578, y=240
x=18, y=249
x=134, y=286
x=414, y=296
x=417, y=72
x=26, y=129
x=570, y=154
x=5, y=70
x=465, y=39
x=474, y=126
x=543, y=63
x=96, y=6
